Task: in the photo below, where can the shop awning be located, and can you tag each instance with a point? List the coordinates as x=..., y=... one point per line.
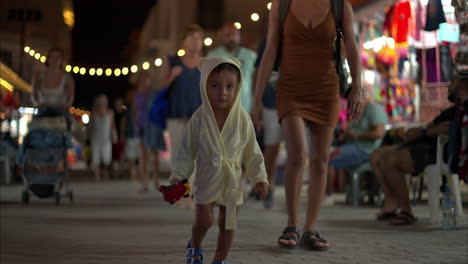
x=10, y=80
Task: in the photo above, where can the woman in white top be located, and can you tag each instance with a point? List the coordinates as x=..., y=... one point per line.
x=54, y=89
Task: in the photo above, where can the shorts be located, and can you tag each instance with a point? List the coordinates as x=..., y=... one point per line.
x=118, y=150
x=423, y=154
x=348, y=156
x=101, y=153
x=132, y=148
x=271, y=127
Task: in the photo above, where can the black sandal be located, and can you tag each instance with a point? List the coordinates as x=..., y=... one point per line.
x=385, y=216
x=309, y=243
x=285, y=236
x=404, y=218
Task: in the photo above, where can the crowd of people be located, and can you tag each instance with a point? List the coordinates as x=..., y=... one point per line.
x=217, y=105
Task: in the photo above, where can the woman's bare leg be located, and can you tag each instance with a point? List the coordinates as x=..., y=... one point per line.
x=143, y=173
x=156, y=170
x=296, y=144
x=320, y=141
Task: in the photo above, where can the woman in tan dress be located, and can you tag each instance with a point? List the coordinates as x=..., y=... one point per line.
x=307, y=96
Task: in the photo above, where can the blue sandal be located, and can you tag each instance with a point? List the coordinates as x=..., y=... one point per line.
x=191, y=252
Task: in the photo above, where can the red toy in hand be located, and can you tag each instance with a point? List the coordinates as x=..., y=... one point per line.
x=174, y=192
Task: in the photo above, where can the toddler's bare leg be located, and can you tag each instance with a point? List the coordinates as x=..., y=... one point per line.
x=225, y=237
x=203, y=222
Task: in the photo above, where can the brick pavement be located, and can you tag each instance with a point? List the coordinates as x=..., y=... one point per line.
x=111, y=223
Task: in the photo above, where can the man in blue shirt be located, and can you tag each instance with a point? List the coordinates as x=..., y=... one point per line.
x=230, y=38
x=271, y=127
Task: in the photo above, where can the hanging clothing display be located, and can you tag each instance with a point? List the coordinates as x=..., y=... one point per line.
x=419, y=19
x=434, y=15
x=431, y=67
x=387, y=25
x=401, y=21
x=449, y=33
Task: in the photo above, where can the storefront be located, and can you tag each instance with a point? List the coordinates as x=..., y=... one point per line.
x=407, y=53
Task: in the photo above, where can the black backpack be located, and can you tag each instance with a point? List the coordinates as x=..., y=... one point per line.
x=337, y=9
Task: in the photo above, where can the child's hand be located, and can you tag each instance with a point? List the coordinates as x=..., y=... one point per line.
x=261, y=189
x=175, y=181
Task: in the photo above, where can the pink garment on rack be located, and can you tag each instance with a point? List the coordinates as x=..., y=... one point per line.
x=420, y=19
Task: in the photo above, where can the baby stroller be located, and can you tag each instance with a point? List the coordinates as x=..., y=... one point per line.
x=43, y=161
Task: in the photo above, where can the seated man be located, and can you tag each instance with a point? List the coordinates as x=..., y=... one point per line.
x=392, y=163
x=458, y=131
x=361, y=137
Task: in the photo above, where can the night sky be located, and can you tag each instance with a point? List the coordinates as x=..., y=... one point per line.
x=100, y=37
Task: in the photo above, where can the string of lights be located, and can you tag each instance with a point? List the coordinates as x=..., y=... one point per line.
x=113, y=71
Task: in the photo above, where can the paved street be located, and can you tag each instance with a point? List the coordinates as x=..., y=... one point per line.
x=111, y=223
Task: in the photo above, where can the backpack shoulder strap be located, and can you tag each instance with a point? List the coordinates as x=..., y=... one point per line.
x=337, y=9
x=283, y=13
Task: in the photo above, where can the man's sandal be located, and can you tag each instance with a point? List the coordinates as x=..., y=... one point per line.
x=310, y=243
x=285, y=236
x=190, y=253
x=404, y=218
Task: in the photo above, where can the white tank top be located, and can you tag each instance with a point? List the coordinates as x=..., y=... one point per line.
x=101, y=129
x=53, y=96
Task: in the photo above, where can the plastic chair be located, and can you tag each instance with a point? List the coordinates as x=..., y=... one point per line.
x=434, y=174
x=354, y=194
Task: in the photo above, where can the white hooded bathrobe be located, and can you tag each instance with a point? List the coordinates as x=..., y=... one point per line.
x=219, y=156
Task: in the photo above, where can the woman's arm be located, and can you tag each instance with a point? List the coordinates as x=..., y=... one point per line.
x=356, y=99
x=35, y=90
x=269, y=56
x=266, y=66
x=168, y=74
x=70, y=91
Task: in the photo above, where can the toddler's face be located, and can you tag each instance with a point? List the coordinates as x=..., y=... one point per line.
x=222, y=89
